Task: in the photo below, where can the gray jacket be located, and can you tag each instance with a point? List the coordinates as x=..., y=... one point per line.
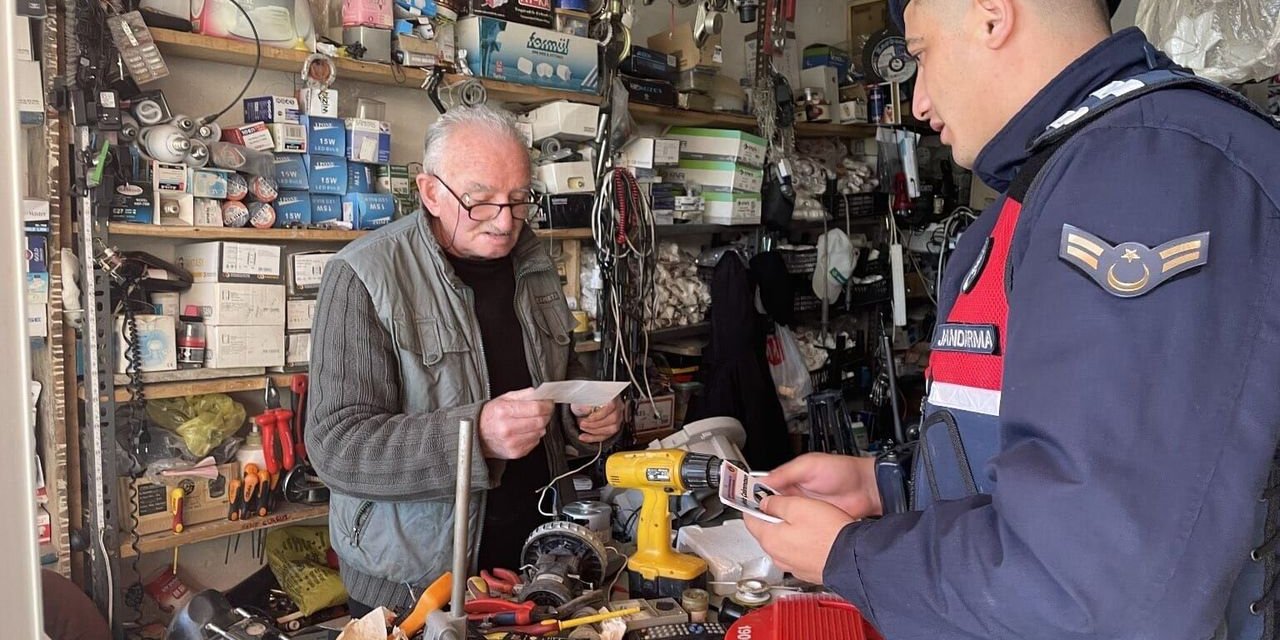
x=396, y=362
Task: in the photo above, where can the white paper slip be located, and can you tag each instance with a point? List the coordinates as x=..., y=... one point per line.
x=742, y=491
x=584, y=392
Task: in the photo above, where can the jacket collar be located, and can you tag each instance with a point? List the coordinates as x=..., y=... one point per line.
x=1124, y=54
x=527, y=255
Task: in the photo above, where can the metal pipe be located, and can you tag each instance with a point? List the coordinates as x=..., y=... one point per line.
x=461, y=513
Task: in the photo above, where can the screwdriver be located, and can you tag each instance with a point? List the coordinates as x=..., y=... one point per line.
x=433, y=598
x=264, y=491
x=250, y=491
x=237, y=500
x=176, y=496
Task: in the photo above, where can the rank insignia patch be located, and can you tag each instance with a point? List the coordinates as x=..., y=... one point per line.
x=1130, y=269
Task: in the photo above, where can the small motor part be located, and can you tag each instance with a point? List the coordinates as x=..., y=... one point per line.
x=562, y=560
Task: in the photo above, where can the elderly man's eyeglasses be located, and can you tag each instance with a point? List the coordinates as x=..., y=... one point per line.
x=523, y=206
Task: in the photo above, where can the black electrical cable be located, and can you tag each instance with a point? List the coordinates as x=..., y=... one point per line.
x=257, y=63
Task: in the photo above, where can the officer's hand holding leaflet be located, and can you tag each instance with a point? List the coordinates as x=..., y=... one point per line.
x=845, y=482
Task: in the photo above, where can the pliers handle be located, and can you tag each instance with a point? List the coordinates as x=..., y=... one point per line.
x=501, y=580
x=505, y=613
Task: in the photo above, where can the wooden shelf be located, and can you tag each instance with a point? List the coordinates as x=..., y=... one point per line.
x=224, y=384
x=200, y=47
x=689, y=118
x=287, y=514
x=586, y=346
x=305, y=235
x=688, y=331
x=231, y=233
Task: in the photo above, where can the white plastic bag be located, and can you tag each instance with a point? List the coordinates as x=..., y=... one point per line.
x=787, y=366
x=1226, y=41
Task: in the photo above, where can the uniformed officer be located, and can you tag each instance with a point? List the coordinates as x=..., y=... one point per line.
x=1096, y=456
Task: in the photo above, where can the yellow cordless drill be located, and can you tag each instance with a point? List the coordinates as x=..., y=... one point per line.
x=656, y=570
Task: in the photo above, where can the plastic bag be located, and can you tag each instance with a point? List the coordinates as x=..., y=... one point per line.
x=296, y=556
x=1228, y=42
x=790, y=375
x=203, y=421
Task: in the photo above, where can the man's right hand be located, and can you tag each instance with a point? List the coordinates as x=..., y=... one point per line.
x=847, y=482
x=511, y=426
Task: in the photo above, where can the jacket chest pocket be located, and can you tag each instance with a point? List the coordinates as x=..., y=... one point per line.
x=435, y=363
x=555, y=324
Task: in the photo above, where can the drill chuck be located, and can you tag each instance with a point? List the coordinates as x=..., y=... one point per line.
x=700, y=471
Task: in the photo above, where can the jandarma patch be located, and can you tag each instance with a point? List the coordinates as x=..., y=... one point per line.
x=1130, y=269
x=966, y=338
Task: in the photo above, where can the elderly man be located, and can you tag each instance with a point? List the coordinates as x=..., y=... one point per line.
x=1098, y=453
x=450, y=314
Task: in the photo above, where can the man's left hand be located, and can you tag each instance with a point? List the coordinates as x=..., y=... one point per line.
x=598, y=424
x=801, y=543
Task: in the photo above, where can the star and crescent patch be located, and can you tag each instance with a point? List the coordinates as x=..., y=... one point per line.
x=1130, y=269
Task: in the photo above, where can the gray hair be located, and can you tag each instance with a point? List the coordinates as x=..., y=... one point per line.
x=497, y=121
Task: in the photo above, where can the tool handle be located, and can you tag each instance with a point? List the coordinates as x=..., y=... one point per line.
x=283, y=419
x=433, y=598
x=299, y=385
x=250, y=494
x=177, y=494
x=267, y=424
x=264, y=491
x=234, y=500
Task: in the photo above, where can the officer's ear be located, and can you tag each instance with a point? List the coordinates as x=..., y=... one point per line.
x=995, y=20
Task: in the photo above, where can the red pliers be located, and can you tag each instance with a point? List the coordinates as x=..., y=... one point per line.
x=504, y=615
x=275, y=424
x=298, y=384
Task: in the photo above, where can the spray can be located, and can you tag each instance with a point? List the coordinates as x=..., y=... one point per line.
x=191, y=338
x=875, y=104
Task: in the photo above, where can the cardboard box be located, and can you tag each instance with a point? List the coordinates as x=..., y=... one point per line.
x=38, y=321
x=367, y=13
x=325, y=136
x=30, y=88
x=156, y=334
x=167, y=303
x=136, y=209
x=680, y=43
x=822, y=79
x=205, y=500
x=280, y=109
x=292, y=208
x=34, y=210
x=231, y=304
x=529, y=55
x=253, y=135
x=695, y=101
x=207, y=212
x=698, y=143
x=368, y=210
x=299, y=314
x=288, y=138
x=866, y=18
x=326, y=175
x=658, y=415
x=326, y=208
x=306, y=269
x=721, y=207
x=716, y=175
x=648, y=63
x=563, y=120
x=394, y=179
x=223, y=261
x=297, y=349
x=174, y=208
x=38, y=288
x=209, y=183
x=291, y=172
x=37, y=253
x=318, y=102
x=853, y=112
x=368, y=140
x=244, y=346
x=648, y=153
x=568, y=177
x=821, y=55
x=656, y=92
x=361, y=177
x=534, y=13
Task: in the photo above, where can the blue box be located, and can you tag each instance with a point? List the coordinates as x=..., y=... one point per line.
x=325, y=136
x=291, y=172
x=827, y=56
x=292, y=207
x=326, y=174
x=282, y=109
x=135, y=209
x=325, y=208
x=361, y=177
x=368, y=210
x=38, y=252
x=209, y=183
x=368, y=141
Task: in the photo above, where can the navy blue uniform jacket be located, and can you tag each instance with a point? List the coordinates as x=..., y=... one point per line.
x=1135, y=435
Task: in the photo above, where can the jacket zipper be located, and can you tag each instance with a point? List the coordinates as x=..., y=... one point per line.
x=362, y=518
